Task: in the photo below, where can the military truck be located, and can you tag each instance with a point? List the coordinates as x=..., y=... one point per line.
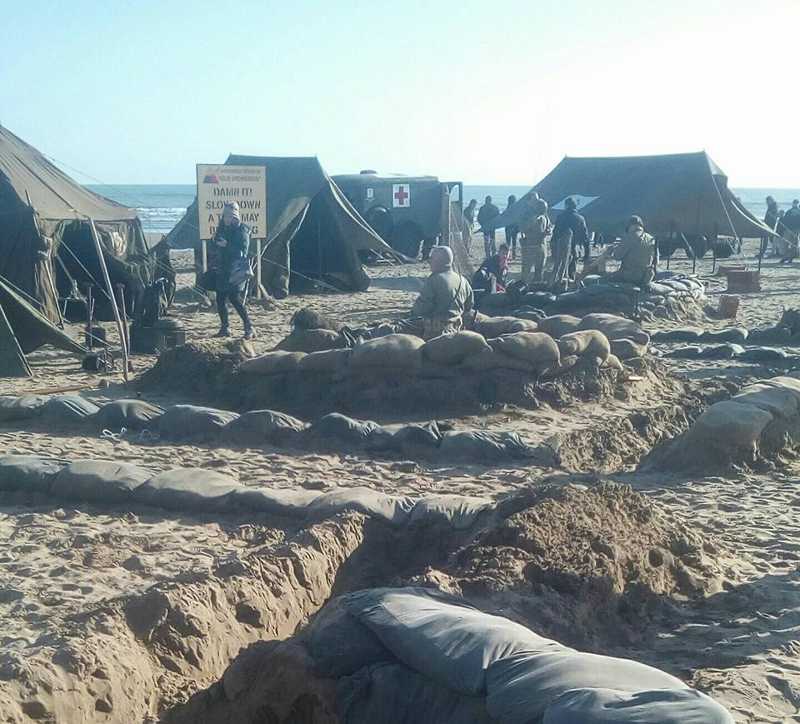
x=408, y=212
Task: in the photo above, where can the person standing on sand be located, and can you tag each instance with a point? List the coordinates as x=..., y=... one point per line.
x=791, y=228
x=570, y=219
x=233, y=270
x=469, y=222
x=770, y=220
x=486, y=214
x=536, y=233
x=512, y=232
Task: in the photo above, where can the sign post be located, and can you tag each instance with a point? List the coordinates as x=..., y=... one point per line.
x=221, y=184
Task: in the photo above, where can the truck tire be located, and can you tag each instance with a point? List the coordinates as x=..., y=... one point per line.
x=379, y=218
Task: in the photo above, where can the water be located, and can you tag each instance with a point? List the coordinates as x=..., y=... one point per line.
x=161, y=206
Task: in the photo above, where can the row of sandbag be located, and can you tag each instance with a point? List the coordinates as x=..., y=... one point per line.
x=197, y=490
x=779, y=334
x=752, y=355
x=761, y=419
x=332, y=432
x=549, y=347
x=417, y=655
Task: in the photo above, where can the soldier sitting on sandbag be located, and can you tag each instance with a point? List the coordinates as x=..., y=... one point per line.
x=445, y=299
x=637, y=253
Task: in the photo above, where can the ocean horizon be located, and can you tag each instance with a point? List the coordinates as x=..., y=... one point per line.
x=161, y=206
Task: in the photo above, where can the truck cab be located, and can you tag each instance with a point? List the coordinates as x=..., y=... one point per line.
x=405, y=211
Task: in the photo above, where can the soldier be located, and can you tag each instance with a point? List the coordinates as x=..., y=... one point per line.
x=572, y=220
x=536, y=234
x=445, y=298
x=486, y=215
x=512, y=232
x=638, y=253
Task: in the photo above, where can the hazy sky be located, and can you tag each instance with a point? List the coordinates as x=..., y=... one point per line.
x=486, y=92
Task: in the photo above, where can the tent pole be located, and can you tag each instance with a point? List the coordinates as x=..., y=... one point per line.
x=259, y=287
x=47, y=265
x=727, y=215
x=111, y=296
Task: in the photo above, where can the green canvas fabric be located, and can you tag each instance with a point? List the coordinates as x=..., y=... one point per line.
x=685, y=193
x=12, y=358
x=30, y=328
x=313, y=231
x=44, y=214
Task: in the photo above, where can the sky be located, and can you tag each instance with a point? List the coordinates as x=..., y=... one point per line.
x=140, y=91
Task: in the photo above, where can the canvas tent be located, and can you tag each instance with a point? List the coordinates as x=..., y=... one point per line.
x=45, y=238
x=313, y=231
x=682, y=193
x=23, y=329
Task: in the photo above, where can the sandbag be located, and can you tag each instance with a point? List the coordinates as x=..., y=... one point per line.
x=684, y=334
x=99, y=481
x=559, y=324
x=328, y=362
x=491, y=327
x=521, y=686
x=260, y=427
x=188, y=490
x=612, y=362
x=615, y=327
x=535, y=348
x=68, y=410
x=735, y=335
x=457, y=511
x=340, y=644
x=523, y=325
x=311, y=340
x=627, y=349
x=763, y=355
x=489, y=359
x=184, y=422
x=585, y=342
x=776, y=399
x=661, y=706
x=291, y=502
x=728, y=425
x=27, y=407
x=440, y=636
x=395, y=351
x=479, y=446
x=391, y=508
x=28, y=472
x=272, y=363
x=452, y=349
x=721, y=351
x=130, y=414
x=393, y=694
x=416, y=439
x=342, y=431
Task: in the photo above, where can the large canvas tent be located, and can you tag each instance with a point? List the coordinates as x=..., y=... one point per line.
x=313, y=231
x=22, y=330
x=681, y=193
x=45, y=236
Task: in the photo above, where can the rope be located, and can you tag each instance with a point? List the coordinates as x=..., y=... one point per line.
x=21, y=291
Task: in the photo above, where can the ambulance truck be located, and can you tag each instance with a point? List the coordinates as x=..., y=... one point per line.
x=406, y=211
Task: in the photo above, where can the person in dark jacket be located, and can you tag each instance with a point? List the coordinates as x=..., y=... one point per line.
x=233, y=268
x=771, y=221
x=512, y=232
x=495, y=268
x=487, y=214
x=570, y=219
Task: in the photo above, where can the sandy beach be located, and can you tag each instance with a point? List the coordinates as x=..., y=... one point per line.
x=734, y=636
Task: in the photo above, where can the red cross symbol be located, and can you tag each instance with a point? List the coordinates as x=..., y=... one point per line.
x=401, y=195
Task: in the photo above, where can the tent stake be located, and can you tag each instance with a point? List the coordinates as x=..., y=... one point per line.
x=111, y=296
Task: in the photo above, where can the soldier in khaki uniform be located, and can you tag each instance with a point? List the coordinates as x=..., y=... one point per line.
x=445, y=298
x=537, y=231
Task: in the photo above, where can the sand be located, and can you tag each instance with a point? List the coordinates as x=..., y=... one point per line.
x=735, y=639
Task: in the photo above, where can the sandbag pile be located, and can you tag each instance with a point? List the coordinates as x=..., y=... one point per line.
x=333, y=432
x=411, y=654
x=671, y=295
x=758, y=422
x=197, y=490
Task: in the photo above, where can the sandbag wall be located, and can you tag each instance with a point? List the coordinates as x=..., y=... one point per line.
x=671, y=295
x=395, y=655
x=333, y=432
x=754, y=425
x=498, y=362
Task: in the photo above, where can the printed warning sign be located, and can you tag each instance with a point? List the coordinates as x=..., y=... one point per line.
x=220, y=184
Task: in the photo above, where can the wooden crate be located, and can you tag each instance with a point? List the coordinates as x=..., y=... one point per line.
x=744, y=281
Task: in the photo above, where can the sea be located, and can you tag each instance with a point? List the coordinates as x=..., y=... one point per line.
x=161, y=206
